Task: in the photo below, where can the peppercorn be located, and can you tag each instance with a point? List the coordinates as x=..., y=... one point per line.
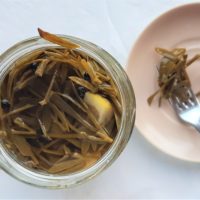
x=81, y=91
x=87, y=77
x=5, y=105
x=34, y=142
x=33, y=66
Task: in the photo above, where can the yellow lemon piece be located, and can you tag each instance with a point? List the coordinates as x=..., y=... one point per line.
x=100, y=107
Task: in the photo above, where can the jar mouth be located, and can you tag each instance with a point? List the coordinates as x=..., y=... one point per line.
x=128, y=116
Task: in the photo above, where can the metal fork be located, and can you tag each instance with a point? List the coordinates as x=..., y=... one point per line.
x=188, y=112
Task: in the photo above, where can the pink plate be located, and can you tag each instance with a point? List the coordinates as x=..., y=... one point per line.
x=179, y=27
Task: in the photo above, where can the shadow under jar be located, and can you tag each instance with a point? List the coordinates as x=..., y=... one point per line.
x=16, y=168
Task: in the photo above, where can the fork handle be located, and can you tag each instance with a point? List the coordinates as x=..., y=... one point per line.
x=197, y=127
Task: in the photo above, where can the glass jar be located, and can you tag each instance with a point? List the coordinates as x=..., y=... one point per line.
x=9, y=165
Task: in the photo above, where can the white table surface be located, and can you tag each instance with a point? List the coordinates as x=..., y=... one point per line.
x=141, y=171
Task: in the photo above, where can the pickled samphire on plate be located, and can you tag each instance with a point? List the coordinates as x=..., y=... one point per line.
x=173, y=79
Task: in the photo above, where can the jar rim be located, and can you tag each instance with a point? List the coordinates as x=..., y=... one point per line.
x=121, y=139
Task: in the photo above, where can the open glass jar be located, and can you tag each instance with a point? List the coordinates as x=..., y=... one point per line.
x=40, y=179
